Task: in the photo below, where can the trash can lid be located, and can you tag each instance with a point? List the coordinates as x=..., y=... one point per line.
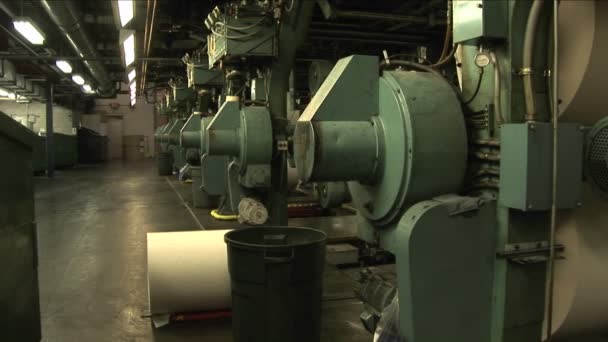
x=271, y=237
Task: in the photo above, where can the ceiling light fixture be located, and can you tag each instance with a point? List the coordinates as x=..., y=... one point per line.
x=129, y=49
x=64, y=66
x=78, y=79
x=133, y=102
x=28, y=30
x=132, y=75
x=3, y=92
x=87, y=88
x=125, y=11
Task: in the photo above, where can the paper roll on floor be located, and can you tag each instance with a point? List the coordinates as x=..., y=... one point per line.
x=187, y=272
x=583, y=52
x=580, y=298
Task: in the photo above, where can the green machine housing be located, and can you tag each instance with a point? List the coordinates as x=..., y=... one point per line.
x=246, y=34
x=401, y=142
x=18, y=246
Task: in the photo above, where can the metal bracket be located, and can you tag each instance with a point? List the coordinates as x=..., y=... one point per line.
x=529, y=252
x=282, y=145
x=525, y=71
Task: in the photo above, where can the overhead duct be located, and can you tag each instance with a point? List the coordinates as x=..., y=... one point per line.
x=10, y=80
x=66, y=16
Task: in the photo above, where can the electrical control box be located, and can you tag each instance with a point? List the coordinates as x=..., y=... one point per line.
x=183, y=94
x=526, y=166
x=479, y=19
x=243, y=36
x=201, y=75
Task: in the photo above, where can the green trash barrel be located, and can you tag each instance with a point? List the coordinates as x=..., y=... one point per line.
x=276, y=278
x=164, y=161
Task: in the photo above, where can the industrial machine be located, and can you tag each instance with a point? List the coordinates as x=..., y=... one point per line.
x=470, y=185
x=254, y=45
x=207, y=85
x=176, y=106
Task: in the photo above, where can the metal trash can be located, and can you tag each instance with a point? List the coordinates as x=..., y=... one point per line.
x=164, y=161
x=276, y=278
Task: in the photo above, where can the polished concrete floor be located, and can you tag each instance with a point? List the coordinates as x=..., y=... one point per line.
x=92, y=224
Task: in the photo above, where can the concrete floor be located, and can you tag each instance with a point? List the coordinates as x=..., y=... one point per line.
x=92, y=224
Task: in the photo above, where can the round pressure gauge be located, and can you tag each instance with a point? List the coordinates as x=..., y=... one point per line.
x=482, y=59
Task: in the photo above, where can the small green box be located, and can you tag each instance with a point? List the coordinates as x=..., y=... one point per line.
x=203, y=76
x=526, y=167
x=475, y=19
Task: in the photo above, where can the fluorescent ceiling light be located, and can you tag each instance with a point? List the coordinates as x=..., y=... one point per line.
x=133, y=102
x=132, y=75
x=78, y=79
x=87, y=88
x=28, y=30
x=133, y=87
x=129, y=48
x=12, y=96
x=125, y=11
x=64, y=66
x=3, y=92
x=133, y=94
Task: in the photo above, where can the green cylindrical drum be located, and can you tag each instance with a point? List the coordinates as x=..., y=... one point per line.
x=200, y=198
x=164, y=160
x=276, y=276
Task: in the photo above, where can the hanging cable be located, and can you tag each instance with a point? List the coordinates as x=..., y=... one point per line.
x=497, y=89
x=477, y=88
x=290, y=7
x=241, y=28
x=448, y=34
x=233, y=37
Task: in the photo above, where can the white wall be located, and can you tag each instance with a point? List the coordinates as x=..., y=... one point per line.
x=136, y=121
x=36, y=112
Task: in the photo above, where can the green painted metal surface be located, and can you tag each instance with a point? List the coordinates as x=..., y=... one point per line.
x=349, y=93
x=407, y=143
x=199, y=74
x=244, y=133
x=66, y=151
x=519, y=291
x=260, y=38
x=479, y=19
x=190, y=133
x=526, y=166
x=444, y=268
x=18, y=248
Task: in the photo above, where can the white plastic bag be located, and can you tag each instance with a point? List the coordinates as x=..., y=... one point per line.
x=387, y=329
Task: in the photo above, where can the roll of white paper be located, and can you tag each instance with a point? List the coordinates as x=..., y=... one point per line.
x=583, y=52
x=188, y=272
x=580, y=304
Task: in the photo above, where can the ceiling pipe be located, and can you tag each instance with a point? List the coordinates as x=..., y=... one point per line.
x=68, y=18
x=409, y=19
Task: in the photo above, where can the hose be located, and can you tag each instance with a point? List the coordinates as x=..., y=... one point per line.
x=553, y=224
x=448, y=34
x=526, y=70
x=216, y=215
x=477, y=88
x=497, y=89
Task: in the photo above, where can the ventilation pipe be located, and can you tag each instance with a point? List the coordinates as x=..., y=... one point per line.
x=67, y=17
